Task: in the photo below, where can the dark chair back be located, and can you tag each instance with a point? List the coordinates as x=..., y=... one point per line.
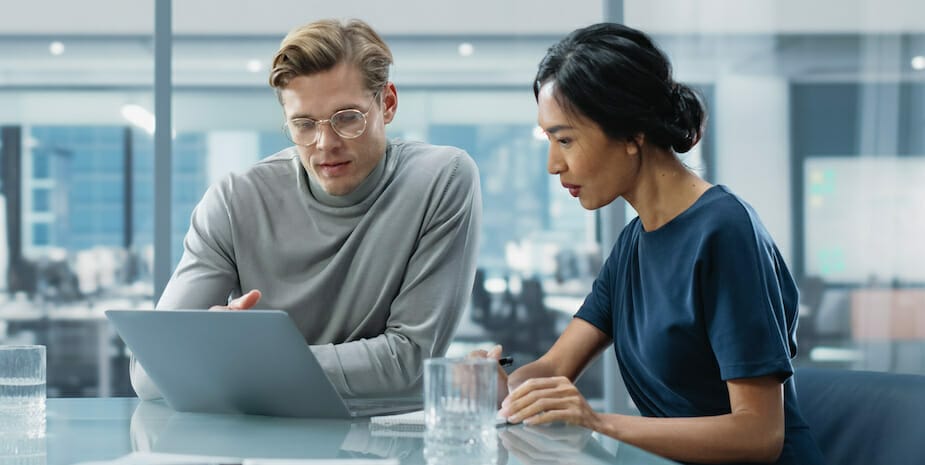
x=863, y=417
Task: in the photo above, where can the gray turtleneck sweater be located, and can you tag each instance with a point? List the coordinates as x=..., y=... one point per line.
x=376, y=280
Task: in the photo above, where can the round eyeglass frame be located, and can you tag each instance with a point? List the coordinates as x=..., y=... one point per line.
x=329, y=122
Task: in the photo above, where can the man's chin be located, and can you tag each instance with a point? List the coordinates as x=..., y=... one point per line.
x=338, y=188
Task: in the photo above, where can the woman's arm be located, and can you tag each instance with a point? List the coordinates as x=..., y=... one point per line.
x=752, y=432
x=575, y=348
x=578, y=345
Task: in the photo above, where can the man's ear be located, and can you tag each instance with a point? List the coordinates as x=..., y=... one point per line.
x=389, y=102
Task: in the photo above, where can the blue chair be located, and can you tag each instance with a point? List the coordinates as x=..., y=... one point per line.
x=863, y=417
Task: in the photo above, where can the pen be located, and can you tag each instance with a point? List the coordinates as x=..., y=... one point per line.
x=505, y=361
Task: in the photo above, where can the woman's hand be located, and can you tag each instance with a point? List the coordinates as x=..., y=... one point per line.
x=495, y=354
x=531, y=445
x=545, y=400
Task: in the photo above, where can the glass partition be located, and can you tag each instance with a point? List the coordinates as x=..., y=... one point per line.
x=818, y=125
x=76, y=234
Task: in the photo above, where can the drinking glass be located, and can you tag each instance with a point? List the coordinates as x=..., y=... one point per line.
x=460, y=398
x=22, y=391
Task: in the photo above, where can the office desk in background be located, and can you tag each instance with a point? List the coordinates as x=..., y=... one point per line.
x=97, y=429
x=888, y=314
x=85, y=356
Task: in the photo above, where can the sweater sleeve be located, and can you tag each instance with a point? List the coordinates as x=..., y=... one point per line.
x=205, y=276
x=435, y=290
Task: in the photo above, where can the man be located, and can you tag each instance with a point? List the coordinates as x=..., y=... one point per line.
x=368, y=244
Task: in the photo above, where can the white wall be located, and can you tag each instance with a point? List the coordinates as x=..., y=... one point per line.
x=230, y=151
x=86, y=107
x=275, y=17
x=752, y=136
x=773, y=16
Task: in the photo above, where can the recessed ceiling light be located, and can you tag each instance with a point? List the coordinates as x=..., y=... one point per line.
x=465, y=49
x=254, y=66
x=918, y=62
x=56, y=48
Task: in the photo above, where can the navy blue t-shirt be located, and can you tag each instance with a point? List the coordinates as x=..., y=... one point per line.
x=703, y=299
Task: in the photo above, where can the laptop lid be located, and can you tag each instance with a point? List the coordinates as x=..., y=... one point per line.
x=253, y=362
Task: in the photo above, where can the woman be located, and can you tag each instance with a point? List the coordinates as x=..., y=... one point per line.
x=695, y=296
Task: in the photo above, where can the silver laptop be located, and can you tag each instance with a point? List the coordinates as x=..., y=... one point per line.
x=253, y=362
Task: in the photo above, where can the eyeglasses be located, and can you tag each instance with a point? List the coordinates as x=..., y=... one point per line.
x=348, y=124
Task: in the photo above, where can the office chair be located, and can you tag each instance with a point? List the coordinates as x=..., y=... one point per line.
x=864, y=417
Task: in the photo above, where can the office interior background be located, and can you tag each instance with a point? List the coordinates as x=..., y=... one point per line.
x=816, y=117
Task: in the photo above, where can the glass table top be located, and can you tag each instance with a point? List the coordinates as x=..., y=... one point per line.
x=105, y=429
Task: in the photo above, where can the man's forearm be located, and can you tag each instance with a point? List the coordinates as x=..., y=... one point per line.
x=144, y=387
x=386, y=364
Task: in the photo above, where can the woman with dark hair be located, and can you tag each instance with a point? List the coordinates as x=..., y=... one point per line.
x=695, y=297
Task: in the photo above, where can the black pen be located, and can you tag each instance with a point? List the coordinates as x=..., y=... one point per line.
x=505, y=361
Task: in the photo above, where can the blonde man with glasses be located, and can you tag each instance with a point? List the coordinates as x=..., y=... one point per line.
x=369, y=244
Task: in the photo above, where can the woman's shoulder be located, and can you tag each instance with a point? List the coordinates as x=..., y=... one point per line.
x=721, y=207
x=728, y=217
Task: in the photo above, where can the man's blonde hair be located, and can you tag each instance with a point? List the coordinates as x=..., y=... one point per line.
x=321, y=45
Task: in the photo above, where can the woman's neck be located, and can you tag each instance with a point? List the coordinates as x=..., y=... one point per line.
x=664, y=188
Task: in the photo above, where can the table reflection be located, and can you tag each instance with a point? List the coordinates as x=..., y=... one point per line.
x=157, y=428
x=553, y=444
x=22, y=450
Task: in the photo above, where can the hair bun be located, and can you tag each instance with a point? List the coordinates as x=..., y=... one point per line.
x=687, y=124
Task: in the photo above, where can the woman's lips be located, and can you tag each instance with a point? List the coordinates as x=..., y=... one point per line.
x=573, y=189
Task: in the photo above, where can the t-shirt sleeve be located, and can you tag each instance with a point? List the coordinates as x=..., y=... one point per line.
x=597, y=308
x=744, y=304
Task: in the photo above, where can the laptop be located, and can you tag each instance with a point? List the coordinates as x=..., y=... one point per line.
x=227, y=361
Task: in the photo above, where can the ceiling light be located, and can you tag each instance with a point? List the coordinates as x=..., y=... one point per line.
x=56, y=48
x=465, y=49
x=254, y=66
x=918, y=62
x=139, y=116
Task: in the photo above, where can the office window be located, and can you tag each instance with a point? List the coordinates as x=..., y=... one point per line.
x=41, y=234
x=41, y=200
x=829, y=150
x=68, y=226
x=41, y=164
x=538, y=253
x=827, y=147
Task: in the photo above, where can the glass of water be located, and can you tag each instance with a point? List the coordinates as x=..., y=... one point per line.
x=22, y=391
x=460, y=410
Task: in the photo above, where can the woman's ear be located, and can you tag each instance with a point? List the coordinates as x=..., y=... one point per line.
x=634, y=144
x=640, y=140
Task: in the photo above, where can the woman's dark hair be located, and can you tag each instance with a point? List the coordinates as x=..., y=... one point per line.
x=615, y=76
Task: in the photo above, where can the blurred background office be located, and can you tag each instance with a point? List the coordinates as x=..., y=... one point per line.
x=817, y=117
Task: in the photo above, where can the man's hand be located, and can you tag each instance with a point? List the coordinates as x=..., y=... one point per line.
x=244, y=302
